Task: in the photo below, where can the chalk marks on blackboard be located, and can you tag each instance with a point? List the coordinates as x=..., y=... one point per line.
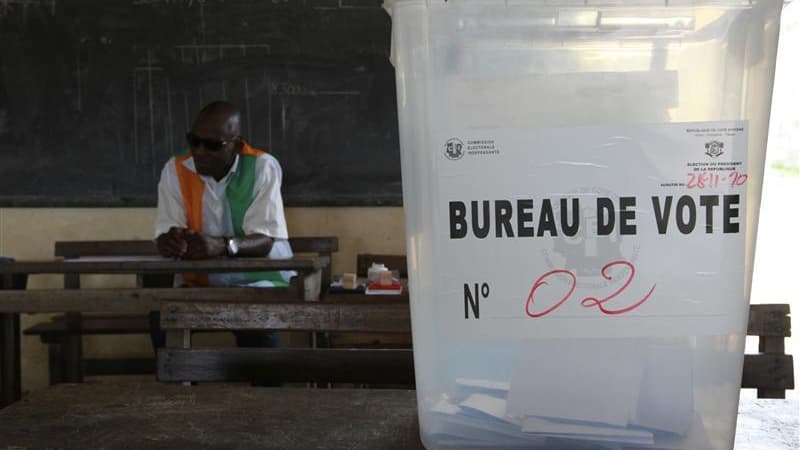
x=292, y=89
x=6, y=6
x=342, y=4
x=170, y=137
x=152, y=115
x=79, y=101
x=197, y=53
x=152, y=107
x=135, y=128
x=151, y=2
x=148, y=68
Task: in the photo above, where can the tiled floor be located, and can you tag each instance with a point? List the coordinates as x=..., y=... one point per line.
x=767, y=424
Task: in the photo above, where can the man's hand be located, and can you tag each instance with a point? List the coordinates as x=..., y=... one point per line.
x=173, y=243
x=202, y=246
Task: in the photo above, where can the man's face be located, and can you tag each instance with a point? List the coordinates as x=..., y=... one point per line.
x=213, y=146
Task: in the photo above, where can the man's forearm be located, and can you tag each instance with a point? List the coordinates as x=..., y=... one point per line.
x=201, y=246
x=253, y=245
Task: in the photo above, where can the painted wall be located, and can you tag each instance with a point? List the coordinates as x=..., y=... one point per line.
x=31, y=234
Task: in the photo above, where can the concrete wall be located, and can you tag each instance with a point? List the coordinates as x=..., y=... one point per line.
x=31, y=234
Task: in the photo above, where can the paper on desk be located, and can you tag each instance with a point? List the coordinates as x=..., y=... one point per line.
x=581, y=380
x=666, y=401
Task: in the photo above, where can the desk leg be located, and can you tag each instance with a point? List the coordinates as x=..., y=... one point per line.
x=181, y=339
x=72, y=349
x=55, y=356
x=10, y=374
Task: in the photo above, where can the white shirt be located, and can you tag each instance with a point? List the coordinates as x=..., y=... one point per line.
x=264, y=216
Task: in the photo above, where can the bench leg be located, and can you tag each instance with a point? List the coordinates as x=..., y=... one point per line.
x=73, y=342
x=771, y=345
x=72, y=355
x=771, y=393
x=10, y=374
x=55, y=356
x=73, y=350
x=178, y=339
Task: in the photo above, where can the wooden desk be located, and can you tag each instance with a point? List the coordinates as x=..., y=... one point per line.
x=74, y=300
x=222, y=416
x=217, y=416
x=163, y=265
x=126, y=300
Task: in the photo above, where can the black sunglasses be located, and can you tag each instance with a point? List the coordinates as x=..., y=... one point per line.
x=211, y=144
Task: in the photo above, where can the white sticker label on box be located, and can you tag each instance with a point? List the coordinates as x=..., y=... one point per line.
x=612, y=230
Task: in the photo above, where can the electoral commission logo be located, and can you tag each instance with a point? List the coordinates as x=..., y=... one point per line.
x=454, y=149
x=714, y=149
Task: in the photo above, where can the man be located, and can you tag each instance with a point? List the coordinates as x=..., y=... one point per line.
x=222, y=198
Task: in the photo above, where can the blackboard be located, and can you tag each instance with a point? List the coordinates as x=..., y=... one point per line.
x=96, y=95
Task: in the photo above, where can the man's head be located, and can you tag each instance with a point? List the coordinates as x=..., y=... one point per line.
x=215, y=139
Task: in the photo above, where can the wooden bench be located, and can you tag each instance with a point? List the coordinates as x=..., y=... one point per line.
x=770, y=371
x=56, y=332
x=63, y=334
x=178, y=361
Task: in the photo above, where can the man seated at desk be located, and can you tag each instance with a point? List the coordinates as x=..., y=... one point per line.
x=222, y=198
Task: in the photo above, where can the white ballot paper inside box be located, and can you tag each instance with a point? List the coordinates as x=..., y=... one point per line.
x=496, y=408
x=601, y=393
x=457, y=422
x=666, y=397
x=580, y=380
x=617, y=388
x=482, y=418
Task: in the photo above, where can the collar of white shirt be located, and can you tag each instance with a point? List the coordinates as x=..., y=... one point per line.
x=189, y=164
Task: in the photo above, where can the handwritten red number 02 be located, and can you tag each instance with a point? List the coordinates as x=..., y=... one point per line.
x=587, y=302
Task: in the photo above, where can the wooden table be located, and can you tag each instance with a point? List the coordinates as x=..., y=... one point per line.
x=223, y=416
x=162, y=265
x=73, y=301
x=211, y=416
x=354, y=296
